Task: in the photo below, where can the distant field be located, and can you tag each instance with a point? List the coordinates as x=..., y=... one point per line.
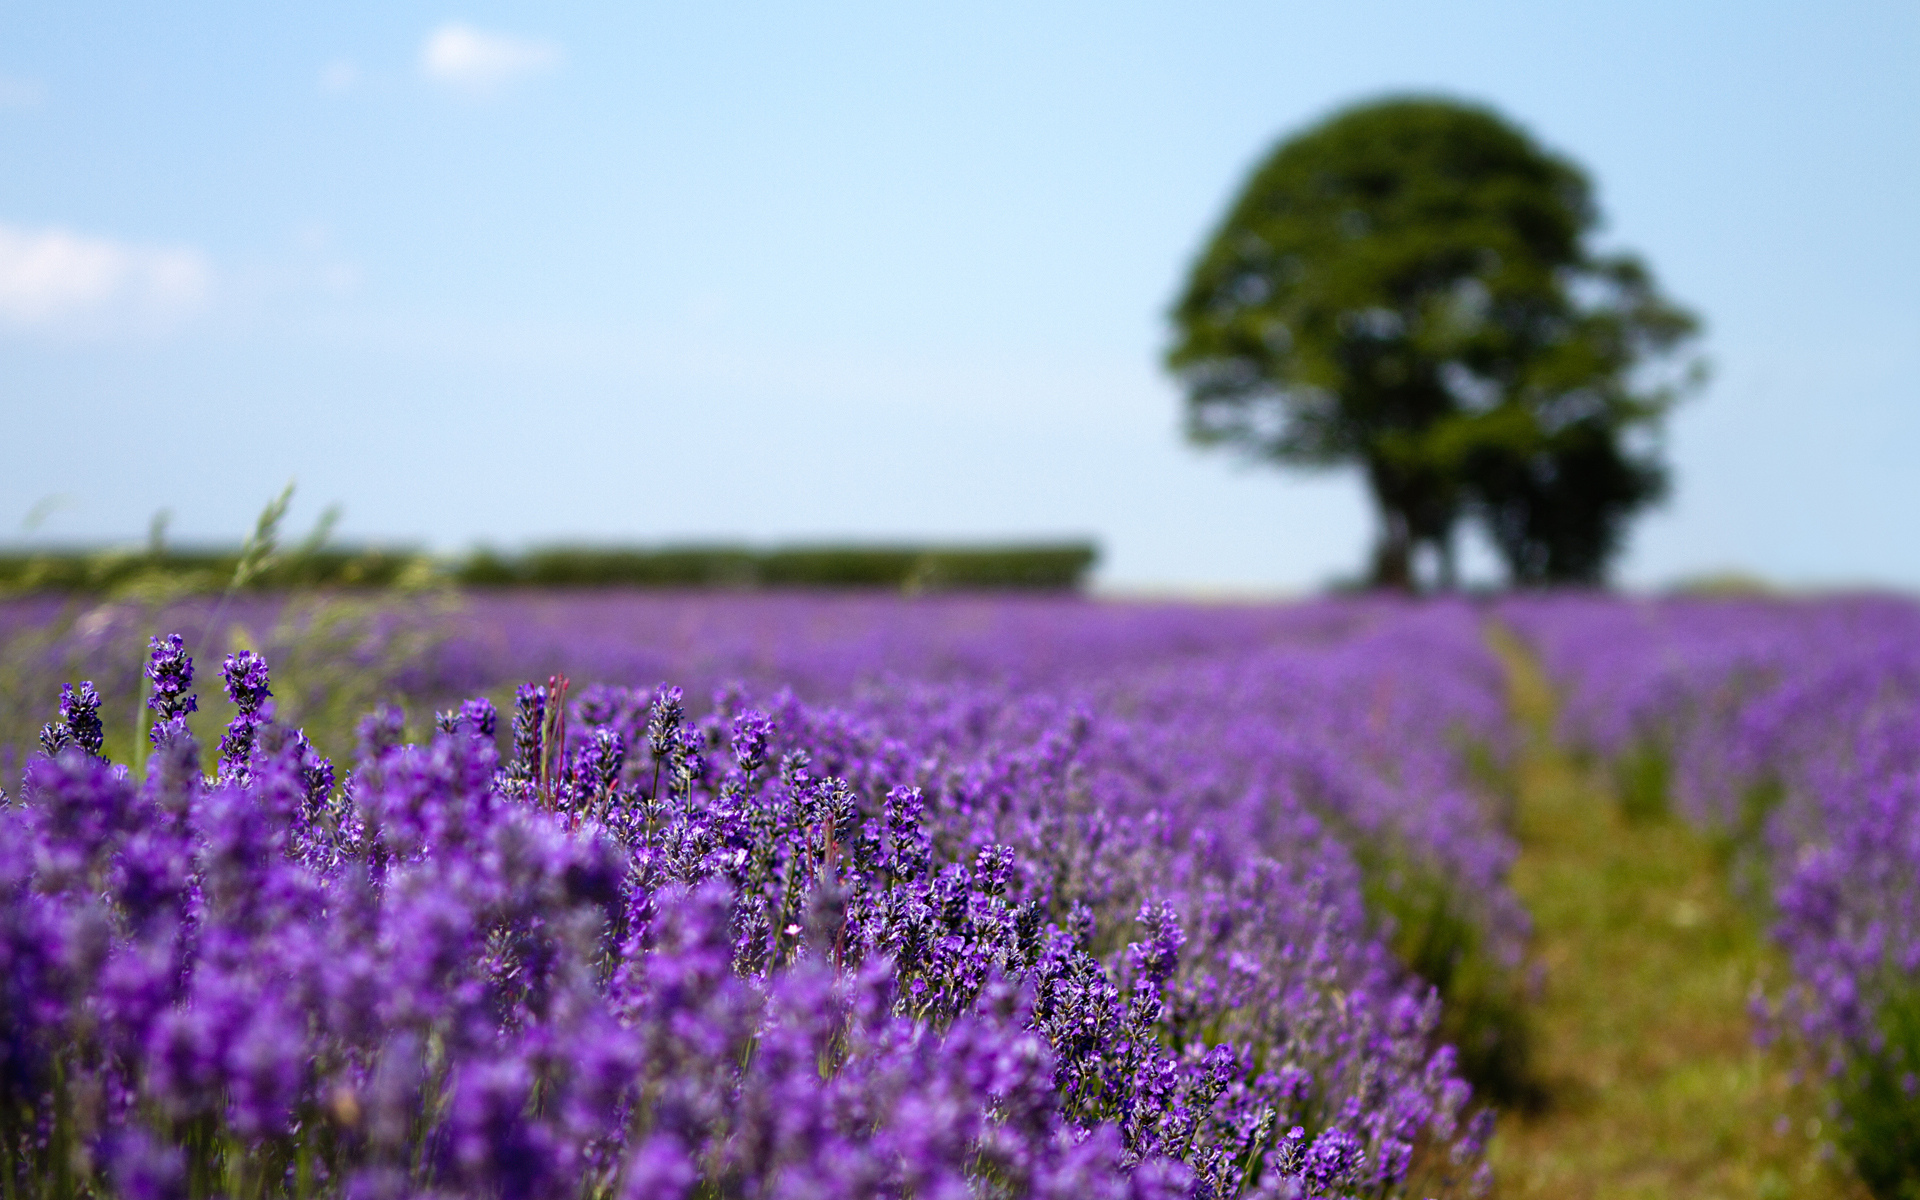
x=1212, y=873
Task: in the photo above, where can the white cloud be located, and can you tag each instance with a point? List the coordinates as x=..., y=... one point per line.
x=55, y=280
x=474, y=60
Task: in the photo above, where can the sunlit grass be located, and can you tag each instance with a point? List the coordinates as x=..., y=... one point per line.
x=1642, y=1040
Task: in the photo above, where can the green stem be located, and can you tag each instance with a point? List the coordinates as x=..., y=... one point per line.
x=140, y=728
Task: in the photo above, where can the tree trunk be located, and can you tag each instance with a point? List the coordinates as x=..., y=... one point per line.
x=1393, y=556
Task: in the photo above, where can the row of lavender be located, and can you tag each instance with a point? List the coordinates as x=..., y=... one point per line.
x=1032, y=899
x=1792, y=730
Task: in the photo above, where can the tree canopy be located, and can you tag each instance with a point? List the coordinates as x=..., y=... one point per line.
x=1410, y=287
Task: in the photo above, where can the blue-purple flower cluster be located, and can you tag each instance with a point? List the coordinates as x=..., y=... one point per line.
x=1793, y=729
x=79, y=723
x=953, y=938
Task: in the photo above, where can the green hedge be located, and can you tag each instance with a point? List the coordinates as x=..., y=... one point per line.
x=77, y=570
x=1054, y=567
x=907, y=568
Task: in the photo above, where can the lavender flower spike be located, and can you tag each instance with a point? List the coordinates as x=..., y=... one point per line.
x=529, y=729
x=246, y=679
x=170, y=671
x=79, y=723
x=81, y=712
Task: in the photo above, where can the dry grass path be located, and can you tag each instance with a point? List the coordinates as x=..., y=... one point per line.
x=1641, y=1035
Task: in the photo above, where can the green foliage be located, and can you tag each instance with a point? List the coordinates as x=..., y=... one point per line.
x=181, y=572
x=561, y=566
x=263, y=543
x=906, y=568
x=337, y=656
x=263, y=566
x=1555, y=497
x=336, y=652
x=1742, y=846
x=1724, y=584
x=1643, y=777
x=1491, y=770
x=1483, y=1015
x=1408, y=287
x=31, y=657
x=1879, y=1095
x=1641, y=1027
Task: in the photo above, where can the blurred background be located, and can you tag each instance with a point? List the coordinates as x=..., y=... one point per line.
x=778, y=273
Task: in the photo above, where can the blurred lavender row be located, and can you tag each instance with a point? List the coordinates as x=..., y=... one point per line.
x=1791, y=730
x=1030, y=897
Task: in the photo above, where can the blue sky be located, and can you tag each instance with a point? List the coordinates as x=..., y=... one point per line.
x=792, y=272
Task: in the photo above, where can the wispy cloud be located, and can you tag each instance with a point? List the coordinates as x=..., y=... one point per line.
x=476, y=60
x=58, y=281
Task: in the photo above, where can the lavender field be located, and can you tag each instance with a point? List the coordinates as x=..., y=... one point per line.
x=615, y=894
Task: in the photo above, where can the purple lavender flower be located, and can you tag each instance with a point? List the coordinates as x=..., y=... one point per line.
x=479, y=716
x=664, y=716
x=908, y=844
x=381, y=731
x=1791, y=729
x=145, y=1169
x=604, y=757
x=659, y=1170
x=529, y=730
x=316, y=773
x=245, y=674
x=836, y=977
x=54, y=738
x=267, y=1067
x=170, y=673
x=1290, y=1155
x=79, y=723
x=494, y=1146
x=1334, y=1161
x=751, y=731
x=1156, y=959
x=476, y=716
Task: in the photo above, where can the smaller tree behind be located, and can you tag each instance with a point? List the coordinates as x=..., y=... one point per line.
x=1408, y=287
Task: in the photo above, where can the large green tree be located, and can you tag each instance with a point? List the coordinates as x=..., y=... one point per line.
x=1410, y=286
